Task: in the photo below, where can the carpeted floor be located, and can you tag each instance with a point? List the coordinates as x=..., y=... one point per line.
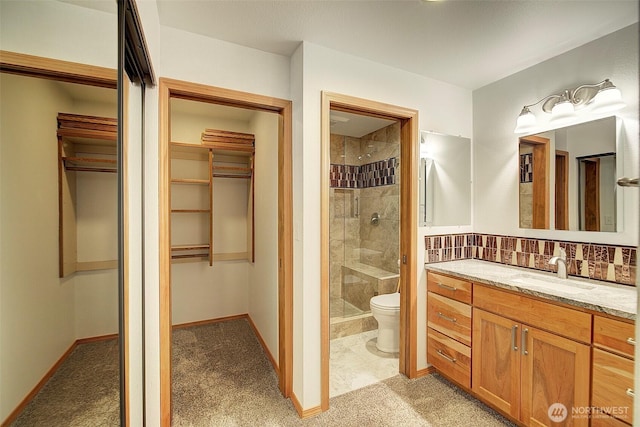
x=221, y=377
x=83, y=392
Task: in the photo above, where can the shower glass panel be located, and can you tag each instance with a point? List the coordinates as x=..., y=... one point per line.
x=364, y=198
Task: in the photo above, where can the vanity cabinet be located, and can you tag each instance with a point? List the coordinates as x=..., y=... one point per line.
x=613, y=388
x=527, y=355
x=521, y=354
x=449, y=327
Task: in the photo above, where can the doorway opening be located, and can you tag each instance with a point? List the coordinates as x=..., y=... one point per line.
x=223, y=176
x=369, y=238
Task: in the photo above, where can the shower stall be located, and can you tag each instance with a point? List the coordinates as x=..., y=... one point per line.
x=364, y=228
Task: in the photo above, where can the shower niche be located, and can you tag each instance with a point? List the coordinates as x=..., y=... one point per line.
x=364, y=228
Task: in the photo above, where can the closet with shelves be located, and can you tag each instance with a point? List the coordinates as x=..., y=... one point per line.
x=85, y=144
x=220, y=154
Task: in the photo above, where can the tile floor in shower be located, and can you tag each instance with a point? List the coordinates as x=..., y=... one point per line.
x=339, y=308
x=355, y=362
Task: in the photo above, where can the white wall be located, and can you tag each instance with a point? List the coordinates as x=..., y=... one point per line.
x=263, y=274
x=37, y=308
x=59, y=30
x=198, y=59
x=496, y=107
x=443, y=108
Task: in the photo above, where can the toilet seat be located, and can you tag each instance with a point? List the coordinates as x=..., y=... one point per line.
x=386, y=302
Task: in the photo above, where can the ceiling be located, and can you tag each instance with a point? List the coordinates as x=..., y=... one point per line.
x=466, y=43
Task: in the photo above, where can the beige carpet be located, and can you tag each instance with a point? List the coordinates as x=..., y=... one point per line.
x=221, y=377
x=83, y=392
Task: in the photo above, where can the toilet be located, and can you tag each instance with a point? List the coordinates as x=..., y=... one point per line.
x=386, y=310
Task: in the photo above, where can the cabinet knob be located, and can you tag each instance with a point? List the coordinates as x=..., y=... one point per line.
x=630, y=392
x=631, y=341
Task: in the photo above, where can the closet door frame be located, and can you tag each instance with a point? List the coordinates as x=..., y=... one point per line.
x=171, y=88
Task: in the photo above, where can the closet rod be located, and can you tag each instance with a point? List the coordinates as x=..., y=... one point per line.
x=79, y=169
x=200, y=255
x=221, y=175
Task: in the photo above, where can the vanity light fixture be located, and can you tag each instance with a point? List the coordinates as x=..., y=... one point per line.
x=600, y=98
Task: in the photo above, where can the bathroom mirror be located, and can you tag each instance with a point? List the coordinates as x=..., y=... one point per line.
x=445, y=180
x=568, y=177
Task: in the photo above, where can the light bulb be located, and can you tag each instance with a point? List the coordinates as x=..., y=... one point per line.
x=607, y=99
x=526, y=121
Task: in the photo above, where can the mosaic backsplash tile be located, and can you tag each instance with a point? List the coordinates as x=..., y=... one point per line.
x=374, y=174
x=595, y=261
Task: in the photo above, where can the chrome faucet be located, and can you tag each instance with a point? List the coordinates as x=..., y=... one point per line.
x=561, y=262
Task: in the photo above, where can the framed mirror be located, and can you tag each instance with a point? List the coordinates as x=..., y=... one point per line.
x=567, y=177
x=445, y=180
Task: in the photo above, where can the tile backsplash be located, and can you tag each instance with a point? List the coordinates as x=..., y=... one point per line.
x=595, y=261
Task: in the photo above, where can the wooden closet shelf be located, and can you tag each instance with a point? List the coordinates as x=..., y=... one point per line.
x=215, y=135
x=228, y=148
x=190, y=210
x=189, y=181
x=87, y=134
x=190, y=247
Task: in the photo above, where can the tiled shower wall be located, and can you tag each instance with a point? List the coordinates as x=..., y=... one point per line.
x=363, y=182
x=595, y=261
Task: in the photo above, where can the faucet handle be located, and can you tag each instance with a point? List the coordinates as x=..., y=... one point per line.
x=562, y=254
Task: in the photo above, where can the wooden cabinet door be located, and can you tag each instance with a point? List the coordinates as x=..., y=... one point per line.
x=555, y=370
x=496, y=361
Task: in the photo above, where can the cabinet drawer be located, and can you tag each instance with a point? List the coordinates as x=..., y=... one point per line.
x=563, y=321
x=614, y=335
x=450, y=317
x=457, y=289
x=449, y=357
x=613, y=384
x=601, y=420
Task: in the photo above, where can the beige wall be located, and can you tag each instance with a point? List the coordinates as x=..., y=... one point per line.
x=41, y=314
x=37, y=308
x=199, y=291
x=263, y=274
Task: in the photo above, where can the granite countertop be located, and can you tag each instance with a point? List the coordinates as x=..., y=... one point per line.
x=604, y=297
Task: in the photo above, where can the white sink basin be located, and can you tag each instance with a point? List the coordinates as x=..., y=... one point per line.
x=545, y=283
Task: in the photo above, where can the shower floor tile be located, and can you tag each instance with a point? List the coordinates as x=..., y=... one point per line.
x=355, y=362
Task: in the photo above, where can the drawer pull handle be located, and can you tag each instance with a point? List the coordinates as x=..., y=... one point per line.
x=445, y=317
x=631, y=341
x=449, y=358
x=447, y=287
x=514, y=332
x=630, y=392
x=525, y=333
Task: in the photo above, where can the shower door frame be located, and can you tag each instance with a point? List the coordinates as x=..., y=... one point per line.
x=408, y=119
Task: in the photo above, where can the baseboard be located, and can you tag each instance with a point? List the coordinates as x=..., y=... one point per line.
x=96, y=339
x=209, y=321
x=264, y=346
x=13, y=415
x=304, y=413
x=426, y=371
